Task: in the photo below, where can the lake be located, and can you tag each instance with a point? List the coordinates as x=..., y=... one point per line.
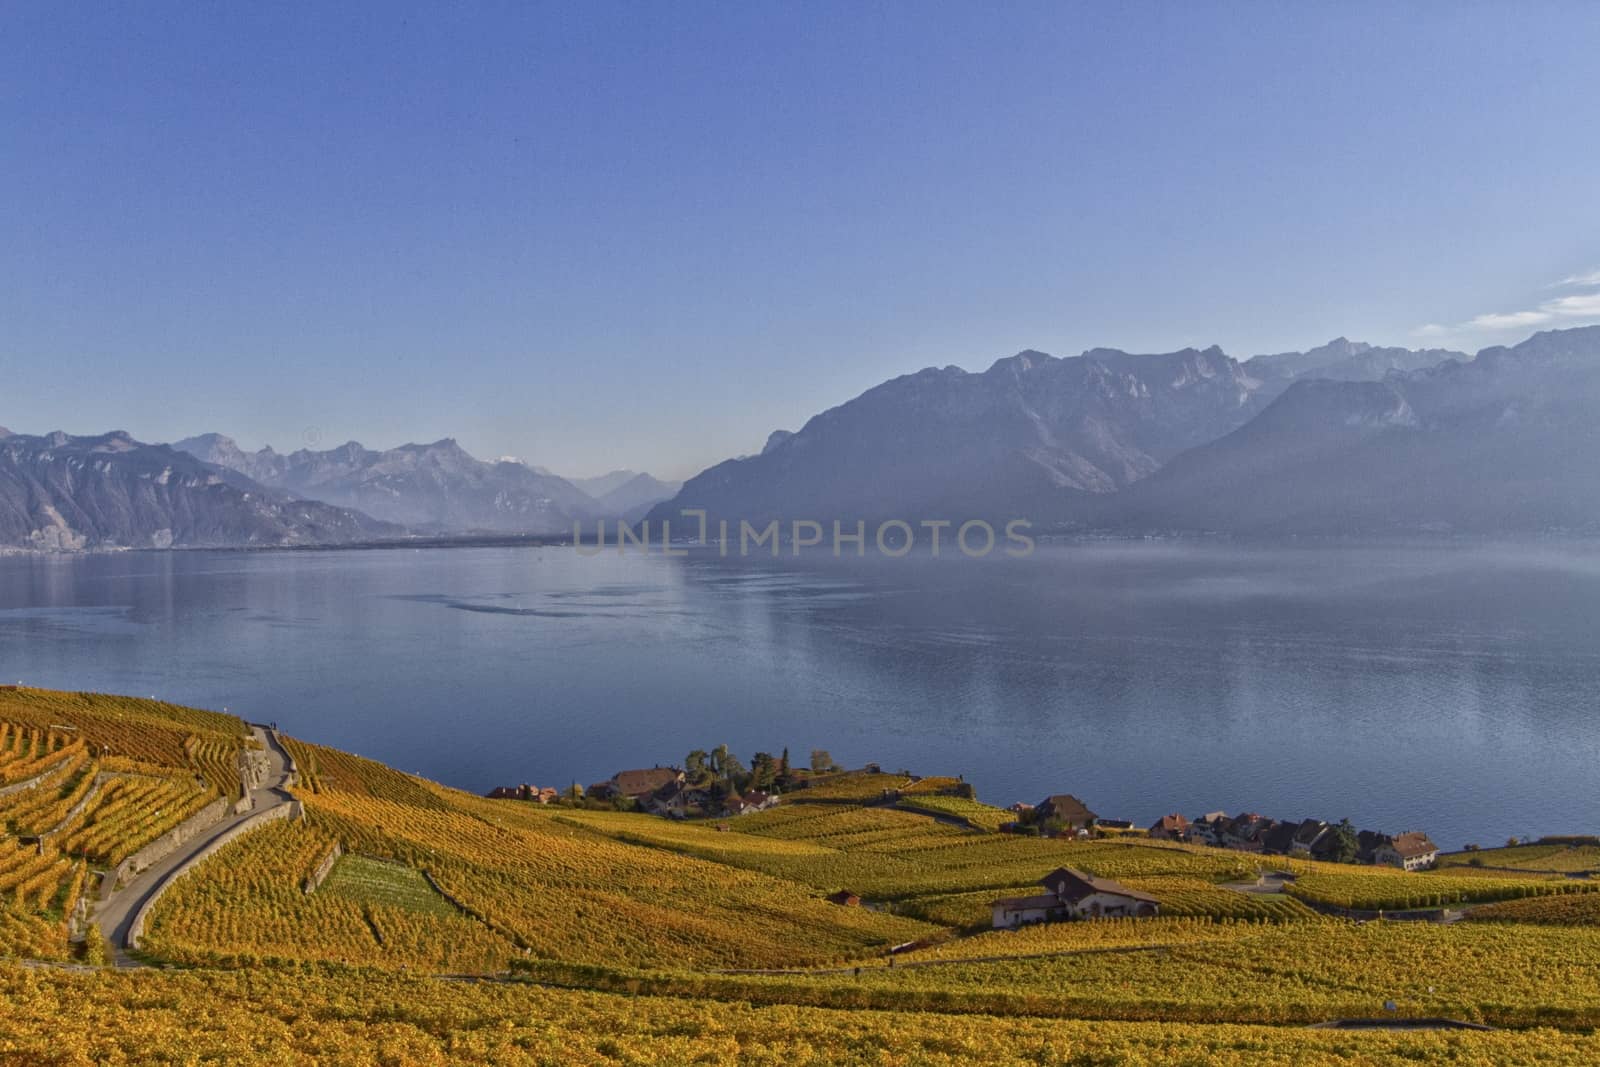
x=1451, y=689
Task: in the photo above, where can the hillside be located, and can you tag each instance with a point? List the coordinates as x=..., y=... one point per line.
x=638, y=939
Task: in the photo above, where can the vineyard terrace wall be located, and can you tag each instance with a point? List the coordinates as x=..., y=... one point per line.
x=166, y=844
x=291, y=810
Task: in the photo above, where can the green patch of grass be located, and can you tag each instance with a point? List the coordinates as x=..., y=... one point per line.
x=373, y=881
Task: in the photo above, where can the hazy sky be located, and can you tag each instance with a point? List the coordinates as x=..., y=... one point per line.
x=646, y=235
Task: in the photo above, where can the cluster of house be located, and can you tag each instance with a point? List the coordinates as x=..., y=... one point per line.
x=547, y=795
x=1073, y=894
x=666, y=791
x=1064, y=815
x=1311, y=838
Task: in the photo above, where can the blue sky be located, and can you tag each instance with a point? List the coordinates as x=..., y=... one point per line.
x=646, y=235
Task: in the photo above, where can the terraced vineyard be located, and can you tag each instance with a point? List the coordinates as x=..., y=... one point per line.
x=1567, y=910
x=248, y=906
x=368, y=1016
x=1384, y=889
x=85, y=782
x=658, y=928
x=982, y=816
x=1287, y=974
x=1537, y=857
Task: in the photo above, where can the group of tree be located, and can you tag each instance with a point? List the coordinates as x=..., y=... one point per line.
x=722, y=774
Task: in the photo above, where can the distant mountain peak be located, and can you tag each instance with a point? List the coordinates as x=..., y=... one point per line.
x=1022, y=362
x=1342, y=359
x=437, y=486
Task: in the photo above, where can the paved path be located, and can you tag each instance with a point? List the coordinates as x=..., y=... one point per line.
x=115, y=914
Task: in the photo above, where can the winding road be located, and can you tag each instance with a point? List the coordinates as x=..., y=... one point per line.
x=116, y=913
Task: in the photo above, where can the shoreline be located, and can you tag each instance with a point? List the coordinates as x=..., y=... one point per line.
x=654, y=548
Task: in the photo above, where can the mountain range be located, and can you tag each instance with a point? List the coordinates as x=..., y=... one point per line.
x=1504, y=443
x=59, y=492
x=946, y=443
x=1342, y=439
x=431, y=488
x=438, y=488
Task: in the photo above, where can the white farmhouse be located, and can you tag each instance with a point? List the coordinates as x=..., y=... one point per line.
x=1411, y=850
x=1074, y=895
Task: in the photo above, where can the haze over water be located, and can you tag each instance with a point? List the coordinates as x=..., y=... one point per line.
x=1450, y=689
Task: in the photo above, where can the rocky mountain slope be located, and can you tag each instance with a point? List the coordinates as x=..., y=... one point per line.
x=1032, y=436
x=1344, y=360
x=59, y=492
x=1502, y=444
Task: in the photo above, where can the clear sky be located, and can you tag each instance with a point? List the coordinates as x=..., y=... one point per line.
x=646, y=235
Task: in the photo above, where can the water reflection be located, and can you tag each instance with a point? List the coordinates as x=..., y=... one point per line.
x=1447, y=688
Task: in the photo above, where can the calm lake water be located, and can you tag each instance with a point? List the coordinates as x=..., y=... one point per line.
x=1448, y=689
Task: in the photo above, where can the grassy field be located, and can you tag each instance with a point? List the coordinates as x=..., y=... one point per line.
x=392, y=885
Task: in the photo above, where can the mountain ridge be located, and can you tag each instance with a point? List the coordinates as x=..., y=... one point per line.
x=1032, y=427
x=436, y=486
x=1499, y=444
x=1070, y=443
x=60, y=492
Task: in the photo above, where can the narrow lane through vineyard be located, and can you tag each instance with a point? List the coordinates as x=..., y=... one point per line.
x=116, y=914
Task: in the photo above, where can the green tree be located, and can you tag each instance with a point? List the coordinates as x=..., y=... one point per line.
x=821, y=761
x=695, y=771
x=734, y=773
x=1346, y=845
x=763, y=771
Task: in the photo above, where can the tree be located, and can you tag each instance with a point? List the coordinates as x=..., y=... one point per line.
x=821, y=761
x=1346, y=845
x=694, y=767
x=733, y=772
x=763, y=771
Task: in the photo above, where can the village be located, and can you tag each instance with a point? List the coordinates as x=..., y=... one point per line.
x=715, y=785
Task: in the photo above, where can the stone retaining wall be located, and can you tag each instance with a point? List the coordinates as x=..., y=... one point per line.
x=37, y=780
x=77, y=809
x=166, y=844
x=323, y=868
x=142, y=916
